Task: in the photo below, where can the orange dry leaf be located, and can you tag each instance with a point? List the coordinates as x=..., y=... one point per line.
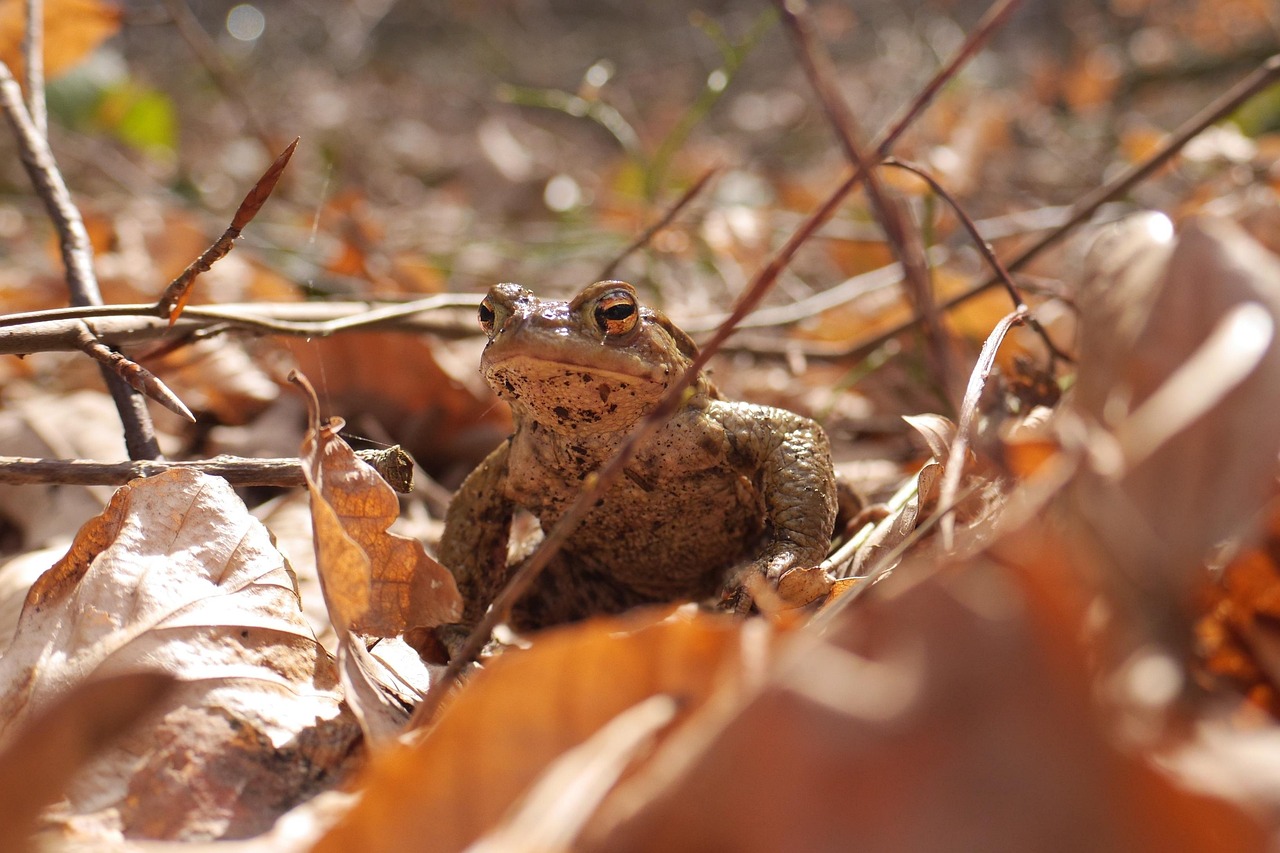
x=949, y=712
x=528, y=707
x=72, y=29
x=375, y=582
x=1238, y=632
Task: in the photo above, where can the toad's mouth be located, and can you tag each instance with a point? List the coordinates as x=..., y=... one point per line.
x=603, y=366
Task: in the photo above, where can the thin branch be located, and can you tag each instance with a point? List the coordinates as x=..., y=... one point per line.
x=1261, y=79
x=77, y=252
x=663, y=221
x=175, y=296
x=994, y=18
x=33, y=51
x=121, y=325
x=390, y=463
x=139, y=378
x=984, y=248
x=904, y=243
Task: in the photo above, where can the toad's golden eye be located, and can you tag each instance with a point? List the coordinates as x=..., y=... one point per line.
x=486, y=316
x=617, y=313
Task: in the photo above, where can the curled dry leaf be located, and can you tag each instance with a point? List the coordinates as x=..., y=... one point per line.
x=175, y=576
x=526, y=708
x=937, y=431
x=375, y=582
x=949, y=710
x=1179, y=392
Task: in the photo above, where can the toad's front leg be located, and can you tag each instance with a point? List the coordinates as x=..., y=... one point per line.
x=476, y=530
x=788, y=458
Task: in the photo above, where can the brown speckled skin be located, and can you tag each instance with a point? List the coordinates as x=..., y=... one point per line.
x=721, y=487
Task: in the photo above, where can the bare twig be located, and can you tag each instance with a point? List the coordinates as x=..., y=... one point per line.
x=130, y=324
x=207, y=53
x=33, y=51
x=984, y=247
x=904, y=243
x=663, y=221
x=284, y=473
x=139, y=378
x=175, y=296
x=797, y=310
x=77, y=253
x=992, y=20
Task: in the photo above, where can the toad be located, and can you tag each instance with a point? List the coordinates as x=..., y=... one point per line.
x=721, y=489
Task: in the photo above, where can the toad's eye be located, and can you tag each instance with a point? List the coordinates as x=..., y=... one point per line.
x=617, y=313
x=486, y=316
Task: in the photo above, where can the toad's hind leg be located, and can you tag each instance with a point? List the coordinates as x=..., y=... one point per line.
x=566, y=591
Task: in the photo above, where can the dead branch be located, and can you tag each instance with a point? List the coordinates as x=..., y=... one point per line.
x=393, y=464
x=139, y=378
x=77, y=253
x=119, y=325
x=33, y=52
x=1261, y=79
x=903, y=241
x=988, y=253
x=662, y=222
x=175, y=296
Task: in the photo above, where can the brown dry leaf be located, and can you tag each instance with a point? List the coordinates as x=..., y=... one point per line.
x=220, y=378
x=1178, y=389
x=175, y=576
x=72, y=29
x=398, y=380
x=945, y=711
x=555, y=808
x=375, y=582
x=1238, y=632
x=528, y=707
x=38, y=761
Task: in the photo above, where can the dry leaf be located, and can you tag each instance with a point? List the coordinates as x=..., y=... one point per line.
x=937, y=431
x=72, y=29
x=175, y=576
x=528, y=707
x=1239, y=625
x=79, y=425
x=1181, y=372
x=375, y=582
x=398, y=380
x=37, y=762
x=948, y=711
x=555, y=808
x=220, y=378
